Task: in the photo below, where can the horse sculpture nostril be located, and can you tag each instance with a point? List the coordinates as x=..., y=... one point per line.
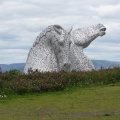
x=66, y=67
x=65, y=64
x=103, y=29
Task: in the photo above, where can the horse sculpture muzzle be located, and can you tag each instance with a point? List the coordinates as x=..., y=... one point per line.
x=64, y=50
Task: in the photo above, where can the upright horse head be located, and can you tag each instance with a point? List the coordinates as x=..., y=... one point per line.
x=50, y=51
x=62, y=49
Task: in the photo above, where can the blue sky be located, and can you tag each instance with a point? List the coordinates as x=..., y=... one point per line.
x=22, y=20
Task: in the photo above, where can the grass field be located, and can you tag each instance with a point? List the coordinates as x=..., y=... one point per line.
x=93, y=103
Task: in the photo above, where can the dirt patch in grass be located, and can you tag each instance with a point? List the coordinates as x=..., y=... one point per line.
x=3, y=112
x=93, y=114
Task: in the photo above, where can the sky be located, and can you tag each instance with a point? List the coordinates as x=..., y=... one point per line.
x=22, y=20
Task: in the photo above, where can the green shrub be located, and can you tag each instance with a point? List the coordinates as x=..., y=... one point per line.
x=15, y=82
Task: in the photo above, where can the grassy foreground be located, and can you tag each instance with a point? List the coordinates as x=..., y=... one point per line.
x=92, y=103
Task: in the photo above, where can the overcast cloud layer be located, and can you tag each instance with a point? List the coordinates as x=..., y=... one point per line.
x=22, y=20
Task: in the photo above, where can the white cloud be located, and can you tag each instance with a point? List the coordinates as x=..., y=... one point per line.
x=22, y=20
x=113, y=27
x=108, y=11
x=103, y=51
x=13, y=56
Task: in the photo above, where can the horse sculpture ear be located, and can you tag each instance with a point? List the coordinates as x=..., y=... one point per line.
x=57, y=30
x=70, y=30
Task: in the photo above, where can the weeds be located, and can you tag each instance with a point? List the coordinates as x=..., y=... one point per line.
x=2, y=95
x=15, y=82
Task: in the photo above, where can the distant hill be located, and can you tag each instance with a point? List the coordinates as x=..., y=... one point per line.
x=97, y=64
x=18, y=66
x=105, y=63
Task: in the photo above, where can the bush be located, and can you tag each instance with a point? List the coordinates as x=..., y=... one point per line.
x=15, y=82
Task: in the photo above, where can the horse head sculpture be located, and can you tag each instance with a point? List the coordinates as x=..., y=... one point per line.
x=50, y=51
x=81, y=38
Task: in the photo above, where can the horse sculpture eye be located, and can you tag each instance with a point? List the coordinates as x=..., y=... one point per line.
x=61, y=42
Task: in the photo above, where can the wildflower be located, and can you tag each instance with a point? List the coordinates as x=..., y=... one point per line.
x=5, y=96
